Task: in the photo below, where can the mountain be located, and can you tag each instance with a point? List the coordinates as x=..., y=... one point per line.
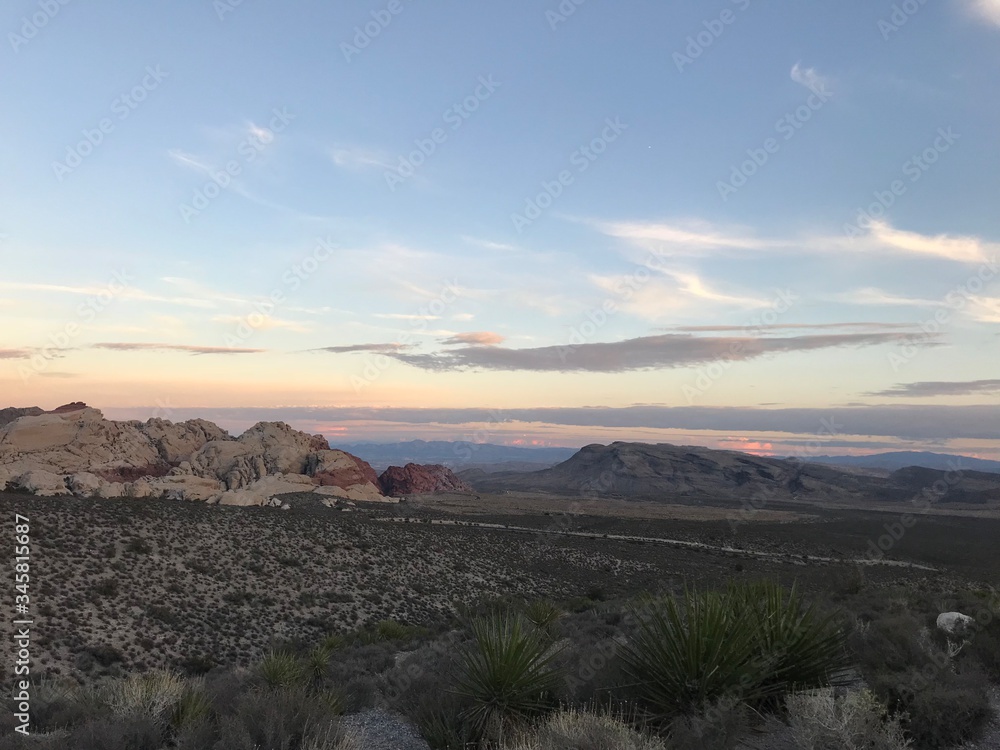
x=455, y=455
x=664, y=471
x=902, y=459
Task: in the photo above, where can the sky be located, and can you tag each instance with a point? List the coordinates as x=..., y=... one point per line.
x=763, y=226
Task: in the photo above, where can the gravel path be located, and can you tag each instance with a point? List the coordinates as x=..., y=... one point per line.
x=378, y=729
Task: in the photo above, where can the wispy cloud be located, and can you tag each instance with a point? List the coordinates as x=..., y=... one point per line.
x=930, y=388
x=649, y=352
x=15, y=354
x=379, y=348
x=686, y=238
x=190, y=349
x=129, y=293
x=490, y=245
x=357, y=158
x=876, y=296
x=867, y=326
x=984, y=10
x=475, y=338
x=963, y=249
x=267, y=323
x=809, y=78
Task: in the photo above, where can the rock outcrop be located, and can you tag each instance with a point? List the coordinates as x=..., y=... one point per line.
x=75, y=450
x=417, y=479
x=11, y=413
x=955, y=624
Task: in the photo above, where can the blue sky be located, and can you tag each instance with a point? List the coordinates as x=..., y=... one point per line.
x=395, y=205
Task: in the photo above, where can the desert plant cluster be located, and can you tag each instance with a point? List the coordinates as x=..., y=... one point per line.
x=166, y=625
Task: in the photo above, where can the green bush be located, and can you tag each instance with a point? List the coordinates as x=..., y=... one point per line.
x=507, y=672
x=281, y=669
x=745, y=644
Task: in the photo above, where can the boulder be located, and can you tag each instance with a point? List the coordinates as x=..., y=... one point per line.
x=417, y=479
x=85, y=484
x=6, y=475
x=186, y=488
x=42, y=483
x=333, y=468
x=11, y=413
x=283, y=449
x=955, y=624
x=264, y=490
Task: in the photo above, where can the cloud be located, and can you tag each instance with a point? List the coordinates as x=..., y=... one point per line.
x=907, y=422
x=962, y=249
x=127, y=292
x=649, y=352
x=357, y=158
x=876, y=296
x=867, y=326
x=382, y=348
x=190, y=349
x=700, y=238
x=809, y=78
x=985, y=10
x=984, y=309
x=930, y=388
x=15, y=354
x=490, y=245
x=690, y=238
x=266, y=323
x=475, y=338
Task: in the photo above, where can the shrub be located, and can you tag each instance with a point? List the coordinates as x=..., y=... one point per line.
x=507, y=672
x=281, y=719
x=542, y=614
x=573, y=730
x=746, y=644
x=281, y=669
x=822, y=721
x=150, y=696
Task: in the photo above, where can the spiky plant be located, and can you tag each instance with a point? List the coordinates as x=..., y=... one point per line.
x=542, y=614
x=690, y=652
x=798, y=647
x=150, y=696
x=507, y=672
x=280, y=669
x=192, y=707
x=747, y=644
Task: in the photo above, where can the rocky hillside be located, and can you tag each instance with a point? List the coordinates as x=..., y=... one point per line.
x=669, y=471
x=74, y=449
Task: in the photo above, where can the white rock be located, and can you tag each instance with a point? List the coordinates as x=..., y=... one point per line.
x=42, y=483
x=955, y=623
x=187, y=488
x=84, y=484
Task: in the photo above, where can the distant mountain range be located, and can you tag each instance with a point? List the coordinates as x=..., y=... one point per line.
x=664, y=471
x=457, y=455
x=902, y=459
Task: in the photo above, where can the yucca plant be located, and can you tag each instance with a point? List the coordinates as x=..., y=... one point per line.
x=192, y=707
x=689, y=653
x=542, y=614
x=507, y=672
x=748, y=644
x=317, y=662
x=280, y=669
x=798, y=647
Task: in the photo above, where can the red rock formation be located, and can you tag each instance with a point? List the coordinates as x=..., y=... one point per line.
x=133, y=473
x=417, y=479
x=333, y=468
x=74, y=406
